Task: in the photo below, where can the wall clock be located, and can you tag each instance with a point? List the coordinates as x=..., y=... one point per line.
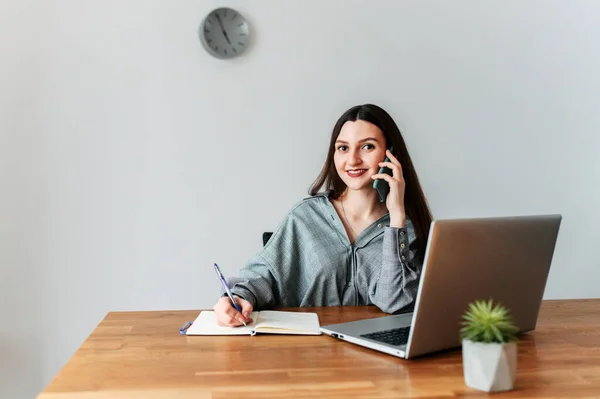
x=224, y=33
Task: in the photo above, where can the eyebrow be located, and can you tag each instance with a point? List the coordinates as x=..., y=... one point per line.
x=360, y=141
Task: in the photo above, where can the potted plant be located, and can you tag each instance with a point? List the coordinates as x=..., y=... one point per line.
x=489, y=347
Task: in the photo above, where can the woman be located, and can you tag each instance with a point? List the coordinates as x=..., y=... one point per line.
x=342, y=246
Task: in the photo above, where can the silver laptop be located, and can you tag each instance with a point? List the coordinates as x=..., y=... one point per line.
x=504, y=258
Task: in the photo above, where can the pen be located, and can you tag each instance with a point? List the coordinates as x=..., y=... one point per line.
x=235, y=305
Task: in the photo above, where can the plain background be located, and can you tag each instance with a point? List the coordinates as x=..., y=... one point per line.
x=131, y=160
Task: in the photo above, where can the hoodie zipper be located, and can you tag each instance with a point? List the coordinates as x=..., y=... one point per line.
x=355, y=274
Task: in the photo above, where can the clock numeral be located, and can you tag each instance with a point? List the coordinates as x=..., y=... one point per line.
x=216, y=48
x=240, y=24
x=225, y=51
x=209, y=41
x=225, y=14
x=241, y=44
x=206, y=30
x=234, y=16
x=242, y=34
x=234, y=50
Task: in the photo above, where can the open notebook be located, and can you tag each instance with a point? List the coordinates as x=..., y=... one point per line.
x=267, y=322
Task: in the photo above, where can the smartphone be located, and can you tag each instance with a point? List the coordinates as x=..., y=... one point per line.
x=381, y=186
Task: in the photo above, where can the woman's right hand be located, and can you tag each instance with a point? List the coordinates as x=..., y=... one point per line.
x=228, y=316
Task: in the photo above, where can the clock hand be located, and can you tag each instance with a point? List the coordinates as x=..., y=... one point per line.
x=223, y=29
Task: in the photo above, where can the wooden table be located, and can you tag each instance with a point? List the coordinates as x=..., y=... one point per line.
x=142, y=355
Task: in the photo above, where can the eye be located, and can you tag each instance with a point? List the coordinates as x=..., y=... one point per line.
x=368, y=146
x=342, y=148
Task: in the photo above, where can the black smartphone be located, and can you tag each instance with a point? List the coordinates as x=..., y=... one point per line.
x=381, y=186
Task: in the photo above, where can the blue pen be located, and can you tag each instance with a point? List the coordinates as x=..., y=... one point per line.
x=229, y=294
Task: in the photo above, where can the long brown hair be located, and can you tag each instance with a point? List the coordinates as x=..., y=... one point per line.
x=415, y=203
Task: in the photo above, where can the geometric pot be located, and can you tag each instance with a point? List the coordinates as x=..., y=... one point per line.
x=489, y=367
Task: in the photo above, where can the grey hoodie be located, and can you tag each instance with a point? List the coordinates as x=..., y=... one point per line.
x=309, y=261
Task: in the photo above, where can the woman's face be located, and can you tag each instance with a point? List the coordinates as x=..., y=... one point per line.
x=359, y=148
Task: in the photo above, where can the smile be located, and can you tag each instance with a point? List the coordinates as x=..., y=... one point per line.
x=356, y=172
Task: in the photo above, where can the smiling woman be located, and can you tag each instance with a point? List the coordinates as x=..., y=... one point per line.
x=376, y=130
x=342, y=245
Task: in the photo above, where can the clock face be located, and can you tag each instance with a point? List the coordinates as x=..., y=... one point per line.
x=224, y=33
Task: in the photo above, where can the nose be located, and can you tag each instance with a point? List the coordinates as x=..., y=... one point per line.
x=354, y=158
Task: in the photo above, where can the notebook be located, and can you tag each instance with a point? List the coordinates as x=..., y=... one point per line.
x=265, y=322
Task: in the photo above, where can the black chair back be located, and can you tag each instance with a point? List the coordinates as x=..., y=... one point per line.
x=266, y=236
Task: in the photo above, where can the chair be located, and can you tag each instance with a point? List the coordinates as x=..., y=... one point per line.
x=265, y=237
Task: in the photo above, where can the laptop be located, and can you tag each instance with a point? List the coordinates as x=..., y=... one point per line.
x=506, y=259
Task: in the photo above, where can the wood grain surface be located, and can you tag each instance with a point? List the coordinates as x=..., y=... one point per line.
x=142, y=355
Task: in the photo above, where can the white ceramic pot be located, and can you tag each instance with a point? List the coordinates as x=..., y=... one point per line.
x=489, y=367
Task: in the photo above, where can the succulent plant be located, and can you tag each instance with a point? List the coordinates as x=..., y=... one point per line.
x=487, y=322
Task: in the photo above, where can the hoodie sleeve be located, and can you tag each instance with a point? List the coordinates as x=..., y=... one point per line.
x=396, y=288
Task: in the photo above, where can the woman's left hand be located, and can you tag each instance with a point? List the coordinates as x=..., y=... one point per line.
x=395, y=198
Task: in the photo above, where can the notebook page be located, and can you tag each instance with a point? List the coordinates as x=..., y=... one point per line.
x=206, y=324
x=277, y=322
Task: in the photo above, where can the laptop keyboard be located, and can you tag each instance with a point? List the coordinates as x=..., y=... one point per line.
x=395, y=336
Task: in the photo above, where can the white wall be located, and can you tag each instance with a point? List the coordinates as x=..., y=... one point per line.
x=131, y=160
